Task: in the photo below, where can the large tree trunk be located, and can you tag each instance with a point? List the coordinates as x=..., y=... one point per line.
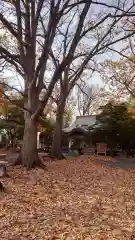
x=57, y=138
x=29, y=147
x=29, y=154
x=56, y=151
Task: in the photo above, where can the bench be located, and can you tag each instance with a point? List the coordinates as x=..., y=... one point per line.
x=101, y=148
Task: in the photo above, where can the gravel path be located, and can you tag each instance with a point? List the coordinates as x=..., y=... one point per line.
x=120, y=162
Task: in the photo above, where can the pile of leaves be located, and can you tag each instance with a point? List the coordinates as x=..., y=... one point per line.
x=72, y=199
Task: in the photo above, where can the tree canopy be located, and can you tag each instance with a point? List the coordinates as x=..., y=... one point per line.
x=115, y=126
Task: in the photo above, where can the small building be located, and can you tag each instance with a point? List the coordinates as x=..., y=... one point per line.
x=81, y=121
x=79, y=126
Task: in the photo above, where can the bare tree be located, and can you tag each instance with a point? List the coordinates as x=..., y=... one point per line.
x=85, y=97
x=70, y=111
x=119, y=77
x=33, y=30
x=91, y=98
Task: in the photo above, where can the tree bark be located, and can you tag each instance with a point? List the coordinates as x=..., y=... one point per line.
x=29, y=154
x=56, y=151
x=57, y=138
x=29, y=147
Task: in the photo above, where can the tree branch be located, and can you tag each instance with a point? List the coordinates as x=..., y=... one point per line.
x=13, y=57
x=11, y=100
x=111, y=6
x=50, y=34
x=123, y=55
x=19, y=31
x=12, y=88
x=77, y=35
x=10, y=28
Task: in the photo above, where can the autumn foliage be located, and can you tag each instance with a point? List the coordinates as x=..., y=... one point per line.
x=73, y=199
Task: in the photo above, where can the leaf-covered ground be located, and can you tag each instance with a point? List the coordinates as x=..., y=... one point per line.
x=72, y=199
